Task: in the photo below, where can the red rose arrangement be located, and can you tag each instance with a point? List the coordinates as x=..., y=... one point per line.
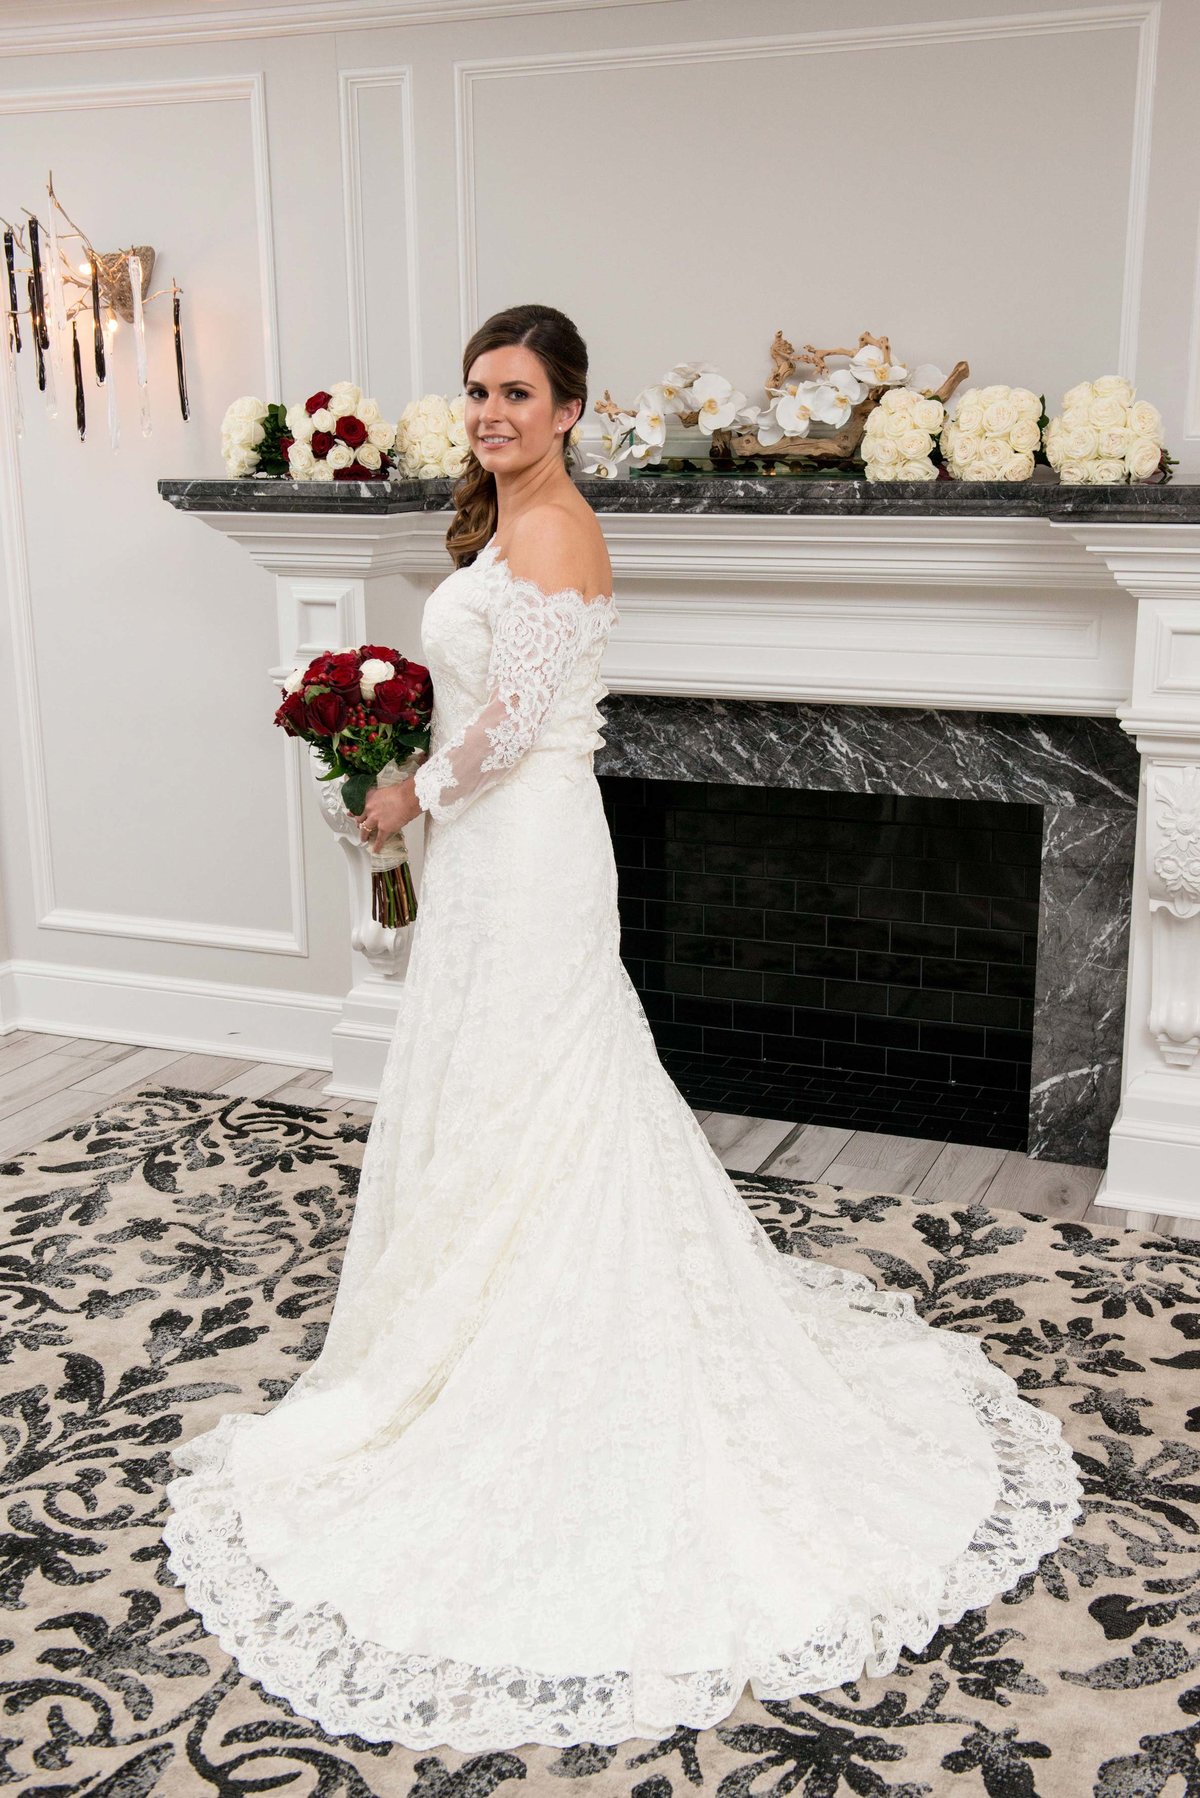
x=366, y=713
x=338, y=435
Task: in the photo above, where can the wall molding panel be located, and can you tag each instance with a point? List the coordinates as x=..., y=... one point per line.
x=1140, y=15
x=50, y=914
x=352, y=84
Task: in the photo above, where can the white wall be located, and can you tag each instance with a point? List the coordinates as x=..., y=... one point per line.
x=682, y=176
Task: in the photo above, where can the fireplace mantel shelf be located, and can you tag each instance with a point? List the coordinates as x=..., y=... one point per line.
x=950, y=598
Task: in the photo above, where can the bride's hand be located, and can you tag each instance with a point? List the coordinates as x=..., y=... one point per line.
x=387, y=810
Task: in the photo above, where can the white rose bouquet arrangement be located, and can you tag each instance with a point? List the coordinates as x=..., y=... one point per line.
x=431, y=438
x=901, y=435
x=337, y=435
x=995, y=434
x=252, y=438
x=1105, y=434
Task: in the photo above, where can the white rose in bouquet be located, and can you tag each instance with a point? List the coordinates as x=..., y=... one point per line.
x=241, y=430
x=1025, y=435
x=1105, y=434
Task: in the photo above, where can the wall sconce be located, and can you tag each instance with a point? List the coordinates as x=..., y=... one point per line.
x=113, y=282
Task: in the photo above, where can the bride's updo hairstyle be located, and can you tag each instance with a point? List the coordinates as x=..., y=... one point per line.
x=562, y=352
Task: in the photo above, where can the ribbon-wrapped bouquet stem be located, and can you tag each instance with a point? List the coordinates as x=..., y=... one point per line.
x=366, y=712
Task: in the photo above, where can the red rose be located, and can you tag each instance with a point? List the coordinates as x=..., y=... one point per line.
x=372, y=652
x=315, y=401
x=321, y=442
x=285, y=444
x=391, y=699
x=341, y=672
x=351, y=430
x=327, y=713
x=291, y=715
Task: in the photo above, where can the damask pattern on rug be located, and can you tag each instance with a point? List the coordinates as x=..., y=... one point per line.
x=175, y=1257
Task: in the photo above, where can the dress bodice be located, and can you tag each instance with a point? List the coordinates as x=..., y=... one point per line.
x=457, y=628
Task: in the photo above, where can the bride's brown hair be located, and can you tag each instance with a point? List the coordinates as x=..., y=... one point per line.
x=562, y=352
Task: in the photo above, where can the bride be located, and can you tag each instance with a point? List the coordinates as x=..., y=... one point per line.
x=583, y=1453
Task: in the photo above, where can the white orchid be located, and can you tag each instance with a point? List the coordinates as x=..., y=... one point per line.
x=793, y=409
x=836, y=396
x=868, y=366
x=650, y=423
x=604, y=468
x=926, y=379
x=716, y=401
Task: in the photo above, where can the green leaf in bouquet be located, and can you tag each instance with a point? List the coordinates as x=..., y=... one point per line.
x=354, y=793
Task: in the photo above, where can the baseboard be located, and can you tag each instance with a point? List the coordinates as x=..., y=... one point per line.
x=209, y=1017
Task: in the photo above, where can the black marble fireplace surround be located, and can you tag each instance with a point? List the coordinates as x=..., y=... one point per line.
x=1081, y=774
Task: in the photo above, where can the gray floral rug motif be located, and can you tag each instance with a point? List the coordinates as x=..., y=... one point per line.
x=176, y=1256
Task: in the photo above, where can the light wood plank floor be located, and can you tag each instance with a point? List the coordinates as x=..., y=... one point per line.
x=49, y=1081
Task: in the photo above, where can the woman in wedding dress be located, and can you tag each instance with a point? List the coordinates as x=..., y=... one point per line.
x=583, y=1452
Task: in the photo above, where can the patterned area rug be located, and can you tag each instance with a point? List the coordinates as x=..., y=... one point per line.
x=176, y=1255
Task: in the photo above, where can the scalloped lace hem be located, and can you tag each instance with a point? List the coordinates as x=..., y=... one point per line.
x=352, y=1686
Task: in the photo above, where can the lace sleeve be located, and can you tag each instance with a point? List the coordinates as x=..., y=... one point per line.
x=537, y=640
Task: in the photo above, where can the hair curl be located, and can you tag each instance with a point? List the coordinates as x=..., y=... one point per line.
x=556, y=343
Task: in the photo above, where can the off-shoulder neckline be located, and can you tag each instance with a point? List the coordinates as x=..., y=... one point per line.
x=596, y=602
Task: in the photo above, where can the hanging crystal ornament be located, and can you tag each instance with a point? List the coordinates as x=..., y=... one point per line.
x=80, y=409
x=139, y=339
x=13, y=309
x=58, y=306
x=97, y=324
x=11, y=382
x=114, y=423
x=179, y=373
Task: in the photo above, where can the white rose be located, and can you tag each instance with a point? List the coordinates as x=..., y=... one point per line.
x=1075, y=473
x=242, y=435
x=967, y=446
x=994, y=452
x=239, y=461
x=999, y=390
x=1143, y=457
x=430, y=446
x=1076, y=416
x=324, y=418
x=884, y=450
x=368, y=456
x=294, y=681
x=977, y=471
x=917, y=470
x=374, y=670
x=1145, y=420
x=1080, y=443
x=342, y=404
x=339, y=456
x=1115, y=442
x=456, y=462
x=369, y=412
x=1017, y=468
x=1108, y=470
x=880, y=471
x=302, y=428
x=321, y=470
x=1114, y=387
x=970, y=415
x=382, y=435
x=928, y=415
x=246, y=407
x=428, y=471
x=1080, y=395
x=915, y=444
x=1025, y=436
x=1028, y=403
x=1000, y=416
x=896, y=399
x=1106, y=414
x=896, y=424
x=300, y=459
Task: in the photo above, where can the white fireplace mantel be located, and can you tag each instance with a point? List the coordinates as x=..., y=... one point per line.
x=1066, y=614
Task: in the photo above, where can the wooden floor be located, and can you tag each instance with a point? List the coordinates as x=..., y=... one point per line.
x=48, y=1081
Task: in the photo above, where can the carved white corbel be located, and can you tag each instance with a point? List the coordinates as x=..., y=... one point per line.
x=1173, y=880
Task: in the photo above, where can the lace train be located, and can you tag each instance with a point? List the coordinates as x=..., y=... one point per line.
x=352, y=1686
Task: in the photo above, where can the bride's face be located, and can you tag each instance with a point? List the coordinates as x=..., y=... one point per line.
x=508, y=398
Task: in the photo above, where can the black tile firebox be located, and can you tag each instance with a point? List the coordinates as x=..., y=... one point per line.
x=858, y=959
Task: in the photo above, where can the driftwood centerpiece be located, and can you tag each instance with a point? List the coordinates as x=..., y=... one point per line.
x=832, y=448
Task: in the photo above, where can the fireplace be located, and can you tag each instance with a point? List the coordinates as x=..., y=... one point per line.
x=889, y=918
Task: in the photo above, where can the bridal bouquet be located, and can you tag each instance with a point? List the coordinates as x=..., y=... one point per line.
x=995, y=434
x=1104, y=433
x=337, y=435
x=366, y=713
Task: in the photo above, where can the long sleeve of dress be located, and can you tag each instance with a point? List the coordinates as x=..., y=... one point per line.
x=537, y=640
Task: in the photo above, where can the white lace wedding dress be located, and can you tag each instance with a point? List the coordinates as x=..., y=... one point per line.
x=583, y=1451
